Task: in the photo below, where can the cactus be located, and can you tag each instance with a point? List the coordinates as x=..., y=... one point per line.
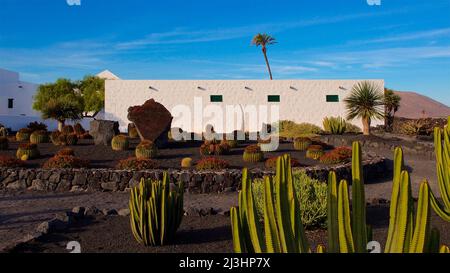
x=302, y=143
x=133, y=133
x=253, y=154
x=40, y=136
x=120, y=143
x=186, y=162
x=78, y=129
x=23, y=134
x=332, y=214
x=442, y=151
x=3, y=131
x=155, y=211
x=146, y=149
x=27, y=149
x=230, y=142
x=3, y=143
x=314, y=152
x=334, y=125
x=214, y=148
x=67, y=129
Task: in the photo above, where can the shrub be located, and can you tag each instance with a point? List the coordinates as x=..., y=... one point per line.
x=10, y=162
x=336, y=156
x=65, y=162
x=78, y=129
x=27, y=151
x=120, y=143
x=290, y=129
x=231, y=143
x=39, y=136
x=37, y=126
x=66, y=151
x=314, y=152
x=214, y=148
x=211, y=163
x=414, y=127
x=146, y=149
x=23, y=134
x=3, y=143
x=334, y=125
x=67, y=129
x=67, y=139
x=135, y=164
x=311, y=193
x=186, y=162
x=271, y=163
x=54, y=137
x=253, y=153
x=345, y=152
x=133, y=133
x=302, y=143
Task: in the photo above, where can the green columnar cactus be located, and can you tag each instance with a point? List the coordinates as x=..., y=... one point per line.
x=155, y=211
x=442, y=151
x=332, y=214
x=302, y=143
x=3, y=143
x=39, y=136
x=120, y=143
x=346, y=243
x=146, y=149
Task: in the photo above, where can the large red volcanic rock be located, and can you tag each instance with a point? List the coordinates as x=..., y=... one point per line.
x=152, y=121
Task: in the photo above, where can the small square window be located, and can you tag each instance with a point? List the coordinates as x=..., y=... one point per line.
x=10, y=103
x=273, y=98
x=216, y=98
x=332, y=98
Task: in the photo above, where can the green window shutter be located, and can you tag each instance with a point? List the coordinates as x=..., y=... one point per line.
x=273, y=98
x=216, y=98
x=332, y=98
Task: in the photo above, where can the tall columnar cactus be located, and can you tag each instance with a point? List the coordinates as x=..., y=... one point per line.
x=155, y=211
x=442, y=151
x=283, y=229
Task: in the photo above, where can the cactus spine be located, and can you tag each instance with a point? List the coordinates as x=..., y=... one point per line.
x=155, y=211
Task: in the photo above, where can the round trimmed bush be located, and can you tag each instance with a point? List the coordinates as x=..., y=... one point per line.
x=120, y=143
x=39, y=136
x=302, y=143
x=271, y=163
x=214, y=148
x=135, y=164
x=231, y=143
x=65, y=162
x=186, y=162
x=211, y=163
x=66, y=151
x=10, y=162
x=336, y=156
x=146, y=149
x=29, y=150
x=3, y=143
x=23, y=134
x=253, y=153
x=314, y=152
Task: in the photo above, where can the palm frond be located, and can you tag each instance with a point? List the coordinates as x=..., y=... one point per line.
x=366, y=100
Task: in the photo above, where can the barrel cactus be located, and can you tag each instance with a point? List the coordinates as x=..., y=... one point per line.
x=253, y=154
x=314, y=152
x=28, y=150
x=23, y=134
x=302, y=143
x=156, y=211
x=186, y=162
x=39, y=136
x=3, y=143
x=146, y=149
x=67, y=129
x=230, y=142
x=214, y=148
x=120, y=143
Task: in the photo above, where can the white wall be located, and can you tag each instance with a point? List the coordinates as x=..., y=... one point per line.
x=301, y=100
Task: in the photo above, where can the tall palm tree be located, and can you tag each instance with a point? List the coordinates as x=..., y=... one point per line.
x=391, y=106
x=263, y=40
x=365, y=101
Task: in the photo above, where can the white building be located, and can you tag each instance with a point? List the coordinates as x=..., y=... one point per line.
x=297, y=100
x=16, y=99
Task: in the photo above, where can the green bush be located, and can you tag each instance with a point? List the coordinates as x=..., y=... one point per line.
x=311, y=193
x=290, y=129
x=334, y=125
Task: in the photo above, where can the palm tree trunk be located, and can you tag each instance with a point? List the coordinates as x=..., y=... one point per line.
x=60, y=125
x=267, y=62
x=366, y=126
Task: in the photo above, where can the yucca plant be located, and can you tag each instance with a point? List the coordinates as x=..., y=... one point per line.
x=442, y=151
x=334, y=125
x=156, y=211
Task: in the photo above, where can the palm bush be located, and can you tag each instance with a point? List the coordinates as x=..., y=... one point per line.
x=365, y=102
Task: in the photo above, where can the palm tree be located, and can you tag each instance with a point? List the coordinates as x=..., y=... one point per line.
x=263, y=40
x=366, y=102
x=391, y=106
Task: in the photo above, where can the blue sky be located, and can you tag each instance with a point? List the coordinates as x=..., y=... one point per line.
x=405, y=42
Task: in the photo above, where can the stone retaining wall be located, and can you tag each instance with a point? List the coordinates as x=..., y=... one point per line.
x=61, y=180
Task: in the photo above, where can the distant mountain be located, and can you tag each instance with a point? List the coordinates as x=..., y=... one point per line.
x=414, y=106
